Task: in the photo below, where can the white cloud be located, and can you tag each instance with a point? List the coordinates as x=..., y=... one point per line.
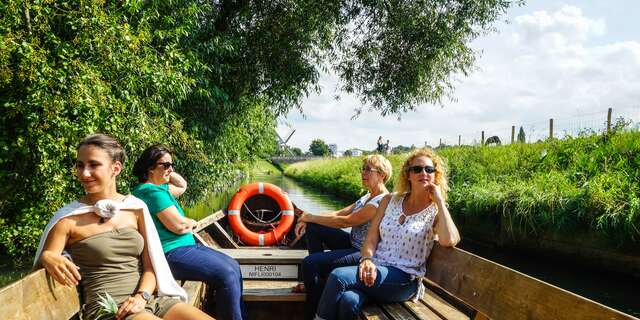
x=545, y=64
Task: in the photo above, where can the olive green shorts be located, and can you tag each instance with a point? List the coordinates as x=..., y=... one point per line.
x=158, y=306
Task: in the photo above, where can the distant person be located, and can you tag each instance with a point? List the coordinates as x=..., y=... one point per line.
x=380, y=147
x=399, y=240
x=113, y=244
x=325, y=230
x=386, y=147
x=159, y=185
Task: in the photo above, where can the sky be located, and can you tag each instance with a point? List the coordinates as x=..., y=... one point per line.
x=569, y=61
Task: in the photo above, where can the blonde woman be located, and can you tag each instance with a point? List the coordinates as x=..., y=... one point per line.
x=399, y=240
x=324, y=230
x=113, y=244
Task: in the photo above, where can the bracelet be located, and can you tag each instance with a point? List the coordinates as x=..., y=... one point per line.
x=363, y=259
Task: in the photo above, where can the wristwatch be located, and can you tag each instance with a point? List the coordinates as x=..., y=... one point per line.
x=145, y=295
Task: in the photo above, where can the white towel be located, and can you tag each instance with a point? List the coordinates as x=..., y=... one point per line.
x=166, y=285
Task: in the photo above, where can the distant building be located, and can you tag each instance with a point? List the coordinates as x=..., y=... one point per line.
x=356, y=152
x=333, y=148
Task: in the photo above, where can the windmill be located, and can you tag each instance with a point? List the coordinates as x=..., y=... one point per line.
x=282, y=143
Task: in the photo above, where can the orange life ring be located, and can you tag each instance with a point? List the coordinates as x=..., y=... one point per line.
x=260, y=239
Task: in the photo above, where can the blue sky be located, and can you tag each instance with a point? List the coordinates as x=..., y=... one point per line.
x=566, y=60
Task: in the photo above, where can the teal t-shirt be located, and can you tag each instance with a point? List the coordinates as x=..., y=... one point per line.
x=157, y=199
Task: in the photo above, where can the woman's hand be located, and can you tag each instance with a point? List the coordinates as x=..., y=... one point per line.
x=367, y=272
x=304, y=217
x=300, y=228
x=60, y=268
x=434, y=191
x=133, y=304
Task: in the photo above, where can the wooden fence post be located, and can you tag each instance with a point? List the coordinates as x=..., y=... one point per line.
x=513, y=133
x=459, y=139
x=482, y=139
x=439, y=144
x=551, y=128
x=609, y=120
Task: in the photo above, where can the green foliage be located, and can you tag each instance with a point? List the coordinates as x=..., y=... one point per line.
x=588, y=183
x=127, y=69
x=296, y=151
x=319, y=148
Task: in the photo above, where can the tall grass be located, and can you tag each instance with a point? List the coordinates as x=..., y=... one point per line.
x=587, y=184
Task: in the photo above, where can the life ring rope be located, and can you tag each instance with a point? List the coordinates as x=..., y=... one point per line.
x=277, y=233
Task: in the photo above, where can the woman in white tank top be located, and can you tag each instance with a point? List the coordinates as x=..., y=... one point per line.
x=398, y=243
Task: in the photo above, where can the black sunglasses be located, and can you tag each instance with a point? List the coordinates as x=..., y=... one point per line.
x=166, y=165
x=418, y=169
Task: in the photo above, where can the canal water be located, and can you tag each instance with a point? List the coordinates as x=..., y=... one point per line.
x=614, y=290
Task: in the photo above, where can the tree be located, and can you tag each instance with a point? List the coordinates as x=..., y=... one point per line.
x=319, y=148
x=296, y=151
x=521, y=137
x=348, y=153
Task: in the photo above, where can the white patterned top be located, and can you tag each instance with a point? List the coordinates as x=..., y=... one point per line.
x=405, y=246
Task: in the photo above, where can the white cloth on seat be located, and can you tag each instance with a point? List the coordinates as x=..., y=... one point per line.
x=166, y=285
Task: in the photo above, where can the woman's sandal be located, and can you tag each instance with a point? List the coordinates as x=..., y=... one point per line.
x=299, y=288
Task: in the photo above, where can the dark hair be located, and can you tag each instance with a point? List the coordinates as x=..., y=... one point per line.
x=148, y=159
x=106, y=143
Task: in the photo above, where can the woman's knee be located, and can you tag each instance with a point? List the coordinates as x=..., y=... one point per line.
x=343, y=276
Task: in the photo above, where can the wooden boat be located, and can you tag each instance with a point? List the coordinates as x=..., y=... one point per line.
x=460, y=285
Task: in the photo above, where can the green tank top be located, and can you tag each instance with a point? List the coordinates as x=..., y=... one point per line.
x=158, y=198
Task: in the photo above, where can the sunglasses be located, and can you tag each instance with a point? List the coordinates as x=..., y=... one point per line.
x=369, y=169
x=166, y=165
x=419, y=169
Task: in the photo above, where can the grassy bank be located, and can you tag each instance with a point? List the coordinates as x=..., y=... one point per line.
x=586, y=184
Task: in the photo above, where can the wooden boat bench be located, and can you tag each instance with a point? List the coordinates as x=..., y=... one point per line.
x=38, y=296
x=461, y=285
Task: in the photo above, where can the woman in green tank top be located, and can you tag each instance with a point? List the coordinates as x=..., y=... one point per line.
x=109, y=247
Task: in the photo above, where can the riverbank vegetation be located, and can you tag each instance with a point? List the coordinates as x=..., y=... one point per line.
x=586, y=184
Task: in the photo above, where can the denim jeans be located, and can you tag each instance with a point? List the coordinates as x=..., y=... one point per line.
x=344, y=294
x=319, y=236
x=318, y=264
x=217, y=270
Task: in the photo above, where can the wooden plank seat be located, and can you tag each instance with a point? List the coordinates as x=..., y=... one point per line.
x=39, y=296
x=432, y=306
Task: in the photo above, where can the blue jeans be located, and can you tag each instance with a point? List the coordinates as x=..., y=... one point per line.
x=319, y=236
x=217, y=270
x=318, y=264
x=344, y=294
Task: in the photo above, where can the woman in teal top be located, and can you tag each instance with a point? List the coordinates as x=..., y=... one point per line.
x=159, y=186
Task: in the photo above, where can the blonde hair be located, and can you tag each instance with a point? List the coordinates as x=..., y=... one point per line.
x=380, y=163
x=403, y=186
